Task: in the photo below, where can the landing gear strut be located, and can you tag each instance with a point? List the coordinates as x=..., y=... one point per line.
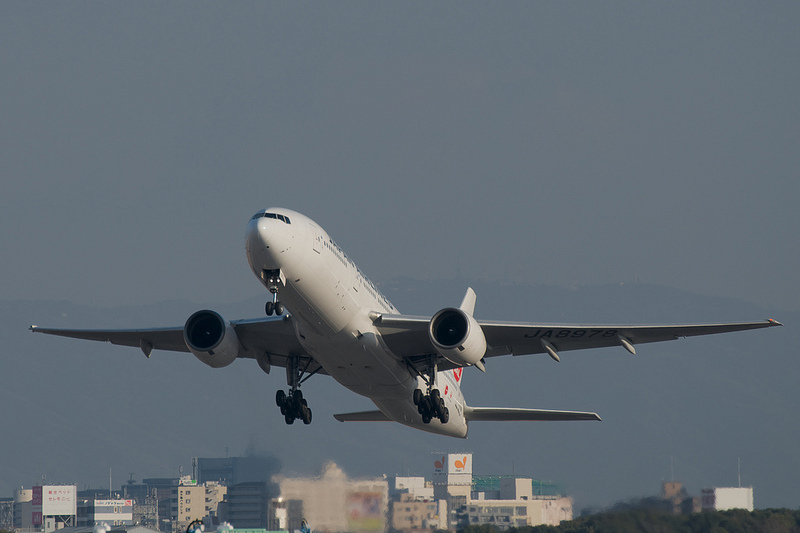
x=272, y=279
x=292, y=404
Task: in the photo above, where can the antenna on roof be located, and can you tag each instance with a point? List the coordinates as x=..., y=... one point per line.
x=672, y=467
x=739, y=469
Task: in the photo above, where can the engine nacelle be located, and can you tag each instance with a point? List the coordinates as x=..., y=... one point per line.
x=211, y=339
x=457, y=336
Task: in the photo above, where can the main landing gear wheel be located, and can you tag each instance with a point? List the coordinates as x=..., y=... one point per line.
x=431, y=406
x=293, y=406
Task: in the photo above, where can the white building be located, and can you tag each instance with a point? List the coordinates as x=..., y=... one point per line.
x=416, y=487
x=108, y=512
x=724, y=498
x=23, y=508
x=54, y=507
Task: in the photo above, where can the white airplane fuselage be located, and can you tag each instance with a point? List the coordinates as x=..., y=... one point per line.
x=331, y=301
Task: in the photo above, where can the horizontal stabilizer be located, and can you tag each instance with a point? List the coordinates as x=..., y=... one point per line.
x=500, y=414
x=362, y=416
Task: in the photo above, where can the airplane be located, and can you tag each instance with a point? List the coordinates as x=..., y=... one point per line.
x=326, y=317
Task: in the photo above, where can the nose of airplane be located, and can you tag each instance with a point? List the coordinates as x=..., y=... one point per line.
x=259, y=235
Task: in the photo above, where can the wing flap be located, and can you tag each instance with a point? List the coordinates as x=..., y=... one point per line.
x=510, y=414
x=362, y=416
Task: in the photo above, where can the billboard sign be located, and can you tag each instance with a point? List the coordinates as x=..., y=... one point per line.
x=453, y=469
x=54, y=500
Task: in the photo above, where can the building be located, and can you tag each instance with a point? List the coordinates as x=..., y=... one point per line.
x=54, y=507
x=516, y=502
x=247, y=505
x=676, y=500
x=234, y=470
x=333, y=502
x=192, y=501
x=6, y=513
x=119, y=529
x=722, y=499
x=115, y=513
x=161, y=489
x=412, y=506
x=500, y=501
x=23, y=508
x=409, y=514
x=416, y=487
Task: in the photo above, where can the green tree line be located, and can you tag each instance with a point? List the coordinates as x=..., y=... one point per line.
x=654, y=521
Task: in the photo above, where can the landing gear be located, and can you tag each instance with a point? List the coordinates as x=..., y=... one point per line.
x=274, y=307
x=272, y=279
x=292, y=404
x=431, y=406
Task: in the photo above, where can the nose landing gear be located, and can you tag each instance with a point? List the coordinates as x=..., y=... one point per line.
x=272, y=279
x=274, y=307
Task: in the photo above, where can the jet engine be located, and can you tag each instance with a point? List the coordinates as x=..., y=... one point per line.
x=457, y=336
x=210, y=339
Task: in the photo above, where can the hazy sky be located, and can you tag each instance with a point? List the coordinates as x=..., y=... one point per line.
x=564, y=143
x=553, y=142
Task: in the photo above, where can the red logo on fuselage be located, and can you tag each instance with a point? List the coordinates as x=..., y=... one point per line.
x=457, y=373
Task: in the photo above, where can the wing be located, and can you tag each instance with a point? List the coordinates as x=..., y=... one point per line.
x=407, y=336
x=503, y=414
x=269, y=340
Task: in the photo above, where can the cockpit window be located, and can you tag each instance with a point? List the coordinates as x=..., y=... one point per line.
x=275, y=216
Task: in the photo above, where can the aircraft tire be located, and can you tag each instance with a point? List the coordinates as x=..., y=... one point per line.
x=280, y=398
x=289, y=419
x=426, y=418
x=297, y=402
x=306, y=415
x=269, y=308
x=417, y=397
x=278, y=309
x=445, y=415
x=435, y=397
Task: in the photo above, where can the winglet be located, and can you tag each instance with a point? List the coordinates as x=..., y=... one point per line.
x=468, y=303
